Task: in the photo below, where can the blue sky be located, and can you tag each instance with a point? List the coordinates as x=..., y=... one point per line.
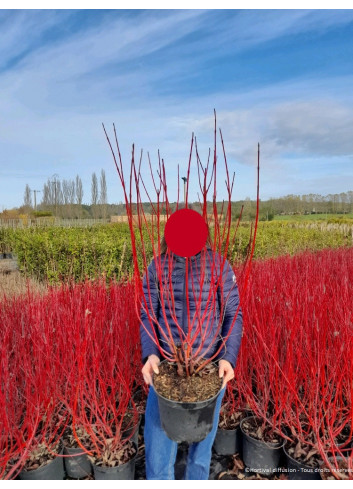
x=283, y=78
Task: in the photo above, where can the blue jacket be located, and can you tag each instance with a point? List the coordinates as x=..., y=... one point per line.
x=211, y=309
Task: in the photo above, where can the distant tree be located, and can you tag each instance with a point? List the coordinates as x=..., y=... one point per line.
x=68, y=191
x=103, y=194
x=27, y=200
x=46, y=194
x=79, y=190
x=350, y=200
x=94, y=194
x=344, y=199
x=79, y=195
x=94, y=189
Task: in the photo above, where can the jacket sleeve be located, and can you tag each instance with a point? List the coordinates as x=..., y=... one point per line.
x=229, y=291
x=149, y=346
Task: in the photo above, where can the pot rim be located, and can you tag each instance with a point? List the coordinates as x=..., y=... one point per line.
x=180, y=403
x=43, y=467
x=306, y=466
x=266, y=443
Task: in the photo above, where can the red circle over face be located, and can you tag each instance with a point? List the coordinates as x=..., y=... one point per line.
x=186, y=232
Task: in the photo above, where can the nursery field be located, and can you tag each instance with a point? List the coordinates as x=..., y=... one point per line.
x=60, y=254
x=70, y=358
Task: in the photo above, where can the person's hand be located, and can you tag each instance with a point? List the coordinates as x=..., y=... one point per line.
x=150, y=366
x=226, y=371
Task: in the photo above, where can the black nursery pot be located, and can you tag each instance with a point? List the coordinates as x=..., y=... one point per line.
x=77, y=466
x=134, y=431
x=227, y=442
x=54, y=470
x=263, y=457
x=188, y=422
x=120, y=472
x=298, y=470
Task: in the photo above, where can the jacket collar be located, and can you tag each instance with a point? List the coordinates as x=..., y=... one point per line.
x=194, y=257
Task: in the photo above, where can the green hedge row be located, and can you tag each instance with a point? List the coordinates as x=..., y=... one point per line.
x=58, y=254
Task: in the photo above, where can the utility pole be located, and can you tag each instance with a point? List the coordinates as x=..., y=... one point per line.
x=185, y=180
x=35, y=198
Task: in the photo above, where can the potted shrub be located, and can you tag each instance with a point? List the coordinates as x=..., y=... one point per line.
x=302, y=451
x=109, y=419
x=114, y=461
x=43, y=463
x=303, y=460
x=186, y=346
x=42, y=458
x=262, y=445
x=76, y=461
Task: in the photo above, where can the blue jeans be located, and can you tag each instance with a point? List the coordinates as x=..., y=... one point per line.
x=161, y=451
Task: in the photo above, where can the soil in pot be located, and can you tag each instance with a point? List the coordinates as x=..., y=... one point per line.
x=44, y=465
x=302, y=461
x=115, y=464
x=262, y=447
x=187, y=404
x=198, y=387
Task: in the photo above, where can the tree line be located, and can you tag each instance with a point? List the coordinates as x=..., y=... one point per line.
x=64, y=198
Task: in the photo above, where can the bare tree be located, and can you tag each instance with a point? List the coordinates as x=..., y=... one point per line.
x=94, y=194
x=103, y=194
x=65, y=190
x=79, y=194
x=27, y=200
x=79, y=190
x=58, y=197
x=68, y=191
x=47, y=194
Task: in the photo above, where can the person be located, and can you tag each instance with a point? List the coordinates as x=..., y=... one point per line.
x=160, y=451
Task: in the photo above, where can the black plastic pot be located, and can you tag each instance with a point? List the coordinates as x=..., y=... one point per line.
x=228, y=442
x=54, y=470
x=135, y=430
x=325, y=471
x=121, y=472
x=258, y=455
x=188, y=422
x=299, y=471
x=77, y=466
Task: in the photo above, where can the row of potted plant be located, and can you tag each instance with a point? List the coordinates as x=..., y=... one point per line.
x=70, y=369
x=70, y=360
x=294, y=373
